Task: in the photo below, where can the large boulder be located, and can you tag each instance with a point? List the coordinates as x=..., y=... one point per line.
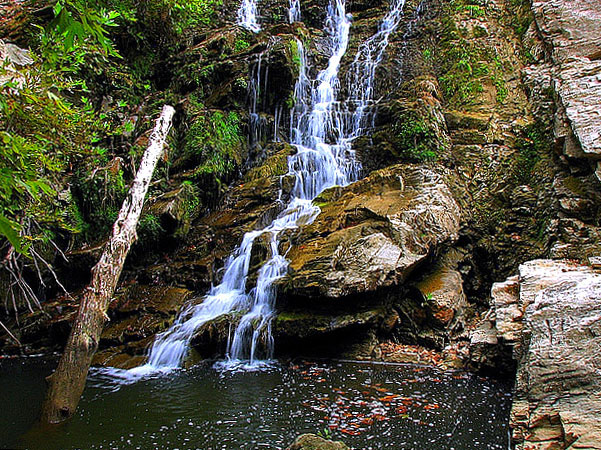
x=373, y=233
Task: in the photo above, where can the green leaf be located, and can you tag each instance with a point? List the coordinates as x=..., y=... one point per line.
x=9, y=229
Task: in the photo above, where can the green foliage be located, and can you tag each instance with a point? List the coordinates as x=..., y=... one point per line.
x=42, y=135
x=192, y=13
x=149, y=230
x=173, y=18
x=463, y=72
x=532, y=145
x=468, y=63
x=98, y=192
x=240, y=45
x=294, y=56
x=474, y=8
x=77, y=22
x=290, y=101
x=326, y=433
x=214, y=141
x=414, y=140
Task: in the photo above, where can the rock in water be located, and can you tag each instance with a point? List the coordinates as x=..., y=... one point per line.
x=313, y=442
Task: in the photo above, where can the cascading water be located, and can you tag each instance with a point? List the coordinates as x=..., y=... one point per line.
x=257, y=86
x=247, y=15
x=363, y=72
x=294, y=14
x=322, y=129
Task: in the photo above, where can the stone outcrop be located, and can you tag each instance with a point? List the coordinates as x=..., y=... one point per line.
x=373, y=233
x=313, y=442
x=442, y=288
x=549, y=317
x=136, y=314
x=570, y=31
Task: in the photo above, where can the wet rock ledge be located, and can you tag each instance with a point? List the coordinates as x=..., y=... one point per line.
x=549, y=318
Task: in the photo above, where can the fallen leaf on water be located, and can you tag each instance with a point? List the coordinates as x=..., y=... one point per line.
x=431, y=406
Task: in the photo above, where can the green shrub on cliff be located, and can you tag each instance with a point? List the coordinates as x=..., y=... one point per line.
x=414, y=139
x=214, y=142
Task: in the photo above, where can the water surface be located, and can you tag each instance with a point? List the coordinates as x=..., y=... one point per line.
x=367, y=406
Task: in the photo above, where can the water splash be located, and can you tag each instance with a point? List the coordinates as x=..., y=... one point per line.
x=322, y=129
x=247, y=15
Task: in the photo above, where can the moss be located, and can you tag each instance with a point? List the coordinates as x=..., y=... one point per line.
x=214, y=141
x=467, y=62
x=576, y=185
x=275, y=165
x=240, y=45
x=295, y=57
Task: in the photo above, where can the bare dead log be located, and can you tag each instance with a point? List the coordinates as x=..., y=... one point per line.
x=67, y=383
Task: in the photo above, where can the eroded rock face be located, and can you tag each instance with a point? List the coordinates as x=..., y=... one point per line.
x=137, y=314
x=549, y=317
x=558, y=384
x=579, y=89
x=571, y=25
x=570, y=29
x=442, y=287
x=373, y=233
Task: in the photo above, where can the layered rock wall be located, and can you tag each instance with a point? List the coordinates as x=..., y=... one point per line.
x=549, y=318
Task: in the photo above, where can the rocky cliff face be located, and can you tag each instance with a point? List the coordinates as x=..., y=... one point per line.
x=549, y=318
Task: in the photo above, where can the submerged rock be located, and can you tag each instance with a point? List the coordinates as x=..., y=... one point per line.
x=373, y=233
x=313, y=442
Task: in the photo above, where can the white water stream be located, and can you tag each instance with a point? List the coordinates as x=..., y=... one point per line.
x=247, y=16
x=322, y=129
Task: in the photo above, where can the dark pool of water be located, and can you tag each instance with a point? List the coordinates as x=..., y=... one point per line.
x=367, y=406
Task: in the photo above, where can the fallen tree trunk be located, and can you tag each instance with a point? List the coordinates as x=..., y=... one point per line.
x=67, y=383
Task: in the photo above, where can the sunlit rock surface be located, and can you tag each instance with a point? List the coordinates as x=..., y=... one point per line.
x=570, y=29
x=373, y=233
x=558, y=388
x=550, y=317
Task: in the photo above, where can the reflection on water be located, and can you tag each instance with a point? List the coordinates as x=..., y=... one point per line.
x=367, y=406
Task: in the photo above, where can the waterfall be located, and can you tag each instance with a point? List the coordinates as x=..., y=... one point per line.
x=257, y=88
x=294, y=14
x=322, y=129
x=362, y=72
x=247, y=15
